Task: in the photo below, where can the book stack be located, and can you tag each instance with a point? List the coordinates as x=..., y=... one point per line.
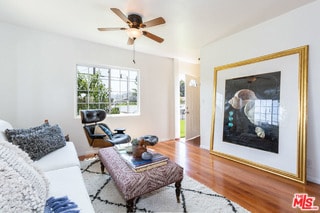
x=123, y=147
x=140, y=165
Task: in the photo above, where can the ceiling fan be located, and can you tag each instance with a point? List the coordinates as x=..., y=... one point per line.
x=135, y=24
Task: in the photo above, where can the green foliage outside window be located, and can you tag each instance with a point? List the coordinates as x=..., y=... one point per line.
x=182, y=88
x=92, y=93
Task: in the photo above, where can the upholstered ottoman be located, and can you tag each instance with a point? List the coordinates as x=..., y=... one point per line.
x=132, y=184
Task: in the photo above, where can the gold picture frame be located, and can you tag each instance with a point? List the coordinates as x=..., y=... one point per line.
x=259, y=113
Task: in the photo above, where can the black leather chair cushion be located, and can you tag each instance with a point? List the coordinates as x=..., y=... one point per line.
x=90, y=130
x=115, y=139
x=151, y=139
x=92, y=116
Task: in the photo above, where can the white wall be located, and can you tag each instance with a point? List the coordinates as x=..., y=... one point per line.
x=38, y=81
x=294, y=29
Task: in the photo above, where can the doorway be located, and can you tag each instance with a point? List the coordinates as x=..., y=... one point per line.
x=189, y=107
x=182, y=107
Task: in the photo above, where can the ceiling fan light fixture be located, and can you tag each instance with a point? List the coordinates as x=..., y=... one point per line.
x=135, y=26
x=134, y=33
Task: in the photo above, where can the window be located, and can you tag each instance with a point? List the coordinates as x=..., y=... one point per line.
x=112, y=89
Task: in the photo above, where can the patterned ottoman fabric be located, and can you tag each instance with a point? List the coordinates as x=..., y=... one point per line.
x=132, y=184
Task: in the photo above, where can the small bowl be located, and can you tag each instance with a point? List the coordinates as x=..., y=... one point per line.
x=146, y=156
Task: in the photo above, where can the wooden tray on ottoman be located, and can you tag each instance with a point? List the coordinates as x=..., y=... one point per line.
x=132, y=185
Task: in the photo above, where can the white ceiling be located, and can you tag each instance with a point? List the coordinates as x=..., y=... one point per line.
x=190, y=24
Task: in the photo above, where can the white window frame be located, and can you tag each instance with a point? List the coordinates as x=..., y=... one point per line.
x=110, y=77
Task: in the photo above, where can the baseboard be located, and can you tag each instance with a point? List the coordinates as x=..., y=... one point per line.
x=204, y=147
x=198, y=136
x=313, y=179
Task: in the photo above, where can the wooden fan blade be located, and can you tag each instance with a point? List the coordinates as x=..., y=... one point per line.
x=130, y=41
x=154, y=22
x=111, y=28
x=152, y=36
x=121, y=15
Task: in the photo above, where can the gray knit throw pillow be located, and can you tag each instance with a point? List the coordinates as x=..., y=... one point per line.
x=41, y=142
x=10, y=133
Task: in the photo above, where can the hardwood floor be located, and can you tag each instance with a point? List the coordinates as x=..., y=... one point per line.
x=253, y=189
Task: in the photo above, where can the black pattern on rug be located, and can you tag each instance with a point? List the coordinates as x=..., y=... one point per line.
x=106, y=198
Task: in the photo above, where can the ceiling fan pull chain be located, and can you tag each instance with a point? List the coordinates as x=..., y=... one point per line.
x=134, y=53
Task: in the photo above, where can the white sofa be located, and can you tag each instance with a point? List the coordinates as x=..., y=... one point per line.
x=62, y=170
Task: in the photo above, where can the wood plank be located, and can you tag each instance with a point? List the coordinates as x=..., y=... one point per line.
x=255, y=190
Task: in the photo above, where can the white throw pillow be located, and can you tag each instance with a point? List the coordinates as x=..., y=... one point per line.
x=23, y=187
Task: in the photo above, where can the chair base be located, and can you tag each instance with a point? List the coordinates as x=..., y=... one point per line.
x=101, y=143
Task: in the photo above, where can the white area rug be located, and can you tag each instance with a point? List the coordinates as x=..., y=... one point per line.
x=195, y=197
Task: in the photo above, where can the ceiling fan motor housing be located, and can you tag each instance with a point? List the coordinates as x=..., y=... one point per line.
x=136, y=20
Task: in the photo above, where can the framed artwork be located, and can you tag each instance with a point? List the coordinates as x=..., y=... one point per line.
x=260, y=112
